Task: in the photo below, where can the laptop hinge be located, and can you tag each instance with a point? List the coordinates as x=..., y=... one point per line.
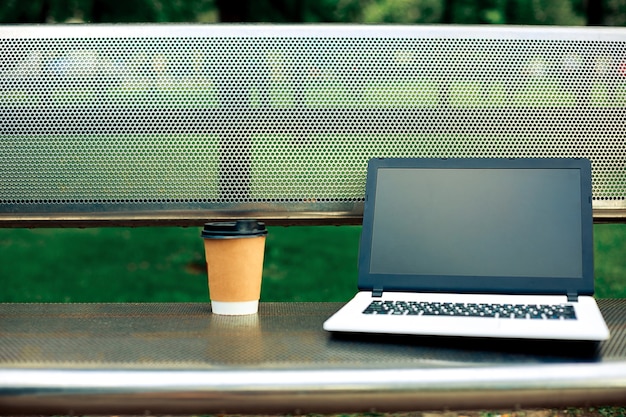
x=572, y=297
x=377, y=292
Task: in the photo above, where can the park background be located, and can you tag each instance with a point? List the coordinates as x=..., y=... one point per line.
x=314, y=263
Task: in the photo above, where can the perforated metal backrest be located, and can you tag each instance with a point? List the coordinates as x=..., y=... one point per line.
x=171, y=123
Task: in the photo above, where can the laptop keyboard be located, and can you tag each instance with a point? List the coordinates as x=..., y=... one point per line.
x=503, y=311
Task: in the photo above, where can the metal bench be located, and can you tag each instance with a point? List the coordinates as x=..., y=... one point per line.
x=116, y=125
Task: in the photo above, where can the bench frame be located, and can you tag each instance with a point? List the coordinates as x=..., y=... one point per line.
x=256, y=139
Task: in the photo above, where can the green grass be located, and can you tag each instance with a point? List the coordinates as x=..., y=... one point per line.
x=324, y=90
x=63, y=168
x=167, y=264
x=319, y=167
x=610, y=260
x=91, y=265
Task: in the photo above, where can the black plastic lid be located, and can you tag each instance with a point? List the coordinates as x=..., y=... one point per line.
x=240, y=228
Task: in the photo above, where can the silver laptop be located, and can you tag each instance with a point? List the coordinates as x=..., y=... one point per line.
x=496, y=248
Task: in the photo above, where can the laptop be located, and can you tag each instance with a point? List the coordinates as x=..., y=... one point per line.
x=488, y=248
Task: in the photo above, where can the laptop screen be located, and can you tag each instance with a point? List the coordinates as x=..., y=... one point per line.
x=478, y=224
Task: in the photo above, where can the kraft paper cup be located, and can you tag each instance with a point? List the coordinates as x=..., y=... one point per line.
x=234, y=256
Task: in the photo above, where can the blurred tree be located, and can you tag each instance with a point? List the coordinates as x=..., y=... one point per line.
x=17, y=11
x=233, y=11
x=614, y=12
x=475, y=11
x=281, y=11
x=96, y=11
x=544, y=12
x=595, y=12
x=124, y=11
x=551, y=12
x=402, y=11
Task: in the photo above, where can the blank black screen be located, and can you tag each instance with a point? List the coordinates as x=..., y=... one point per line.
x=477, y=222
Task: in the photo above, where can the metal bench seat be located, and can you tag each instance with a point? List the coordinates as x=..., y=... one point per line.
x=179, y=358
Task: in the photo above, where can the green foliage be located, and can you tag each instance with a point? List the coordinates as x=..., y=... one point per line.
x=615, y=12
x=50, y=11
x=402, y=11
x=544, y=12
x=550, y=12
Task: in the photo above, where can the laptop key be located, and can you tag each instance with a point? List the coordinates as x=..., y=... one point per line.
x=503, y=311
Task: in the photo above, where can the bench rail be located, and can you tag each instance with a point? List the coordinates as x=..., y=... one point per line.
x=178, y=124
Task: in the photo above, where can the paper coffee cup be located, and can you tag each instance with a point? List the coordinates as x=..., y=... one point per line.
x=234, y=256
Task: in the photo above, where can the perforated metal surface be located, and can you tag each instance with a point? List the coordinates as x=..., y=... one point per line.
x=281, y=336
x=104, y=359
x=279, y=121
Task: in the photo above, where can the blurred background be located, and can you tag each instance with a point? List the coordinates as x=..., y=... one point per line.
x=162, y=264
x=544, y=12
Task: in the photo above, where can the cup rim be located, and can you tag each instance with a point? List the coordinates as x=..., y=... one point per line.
x=234, y=229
